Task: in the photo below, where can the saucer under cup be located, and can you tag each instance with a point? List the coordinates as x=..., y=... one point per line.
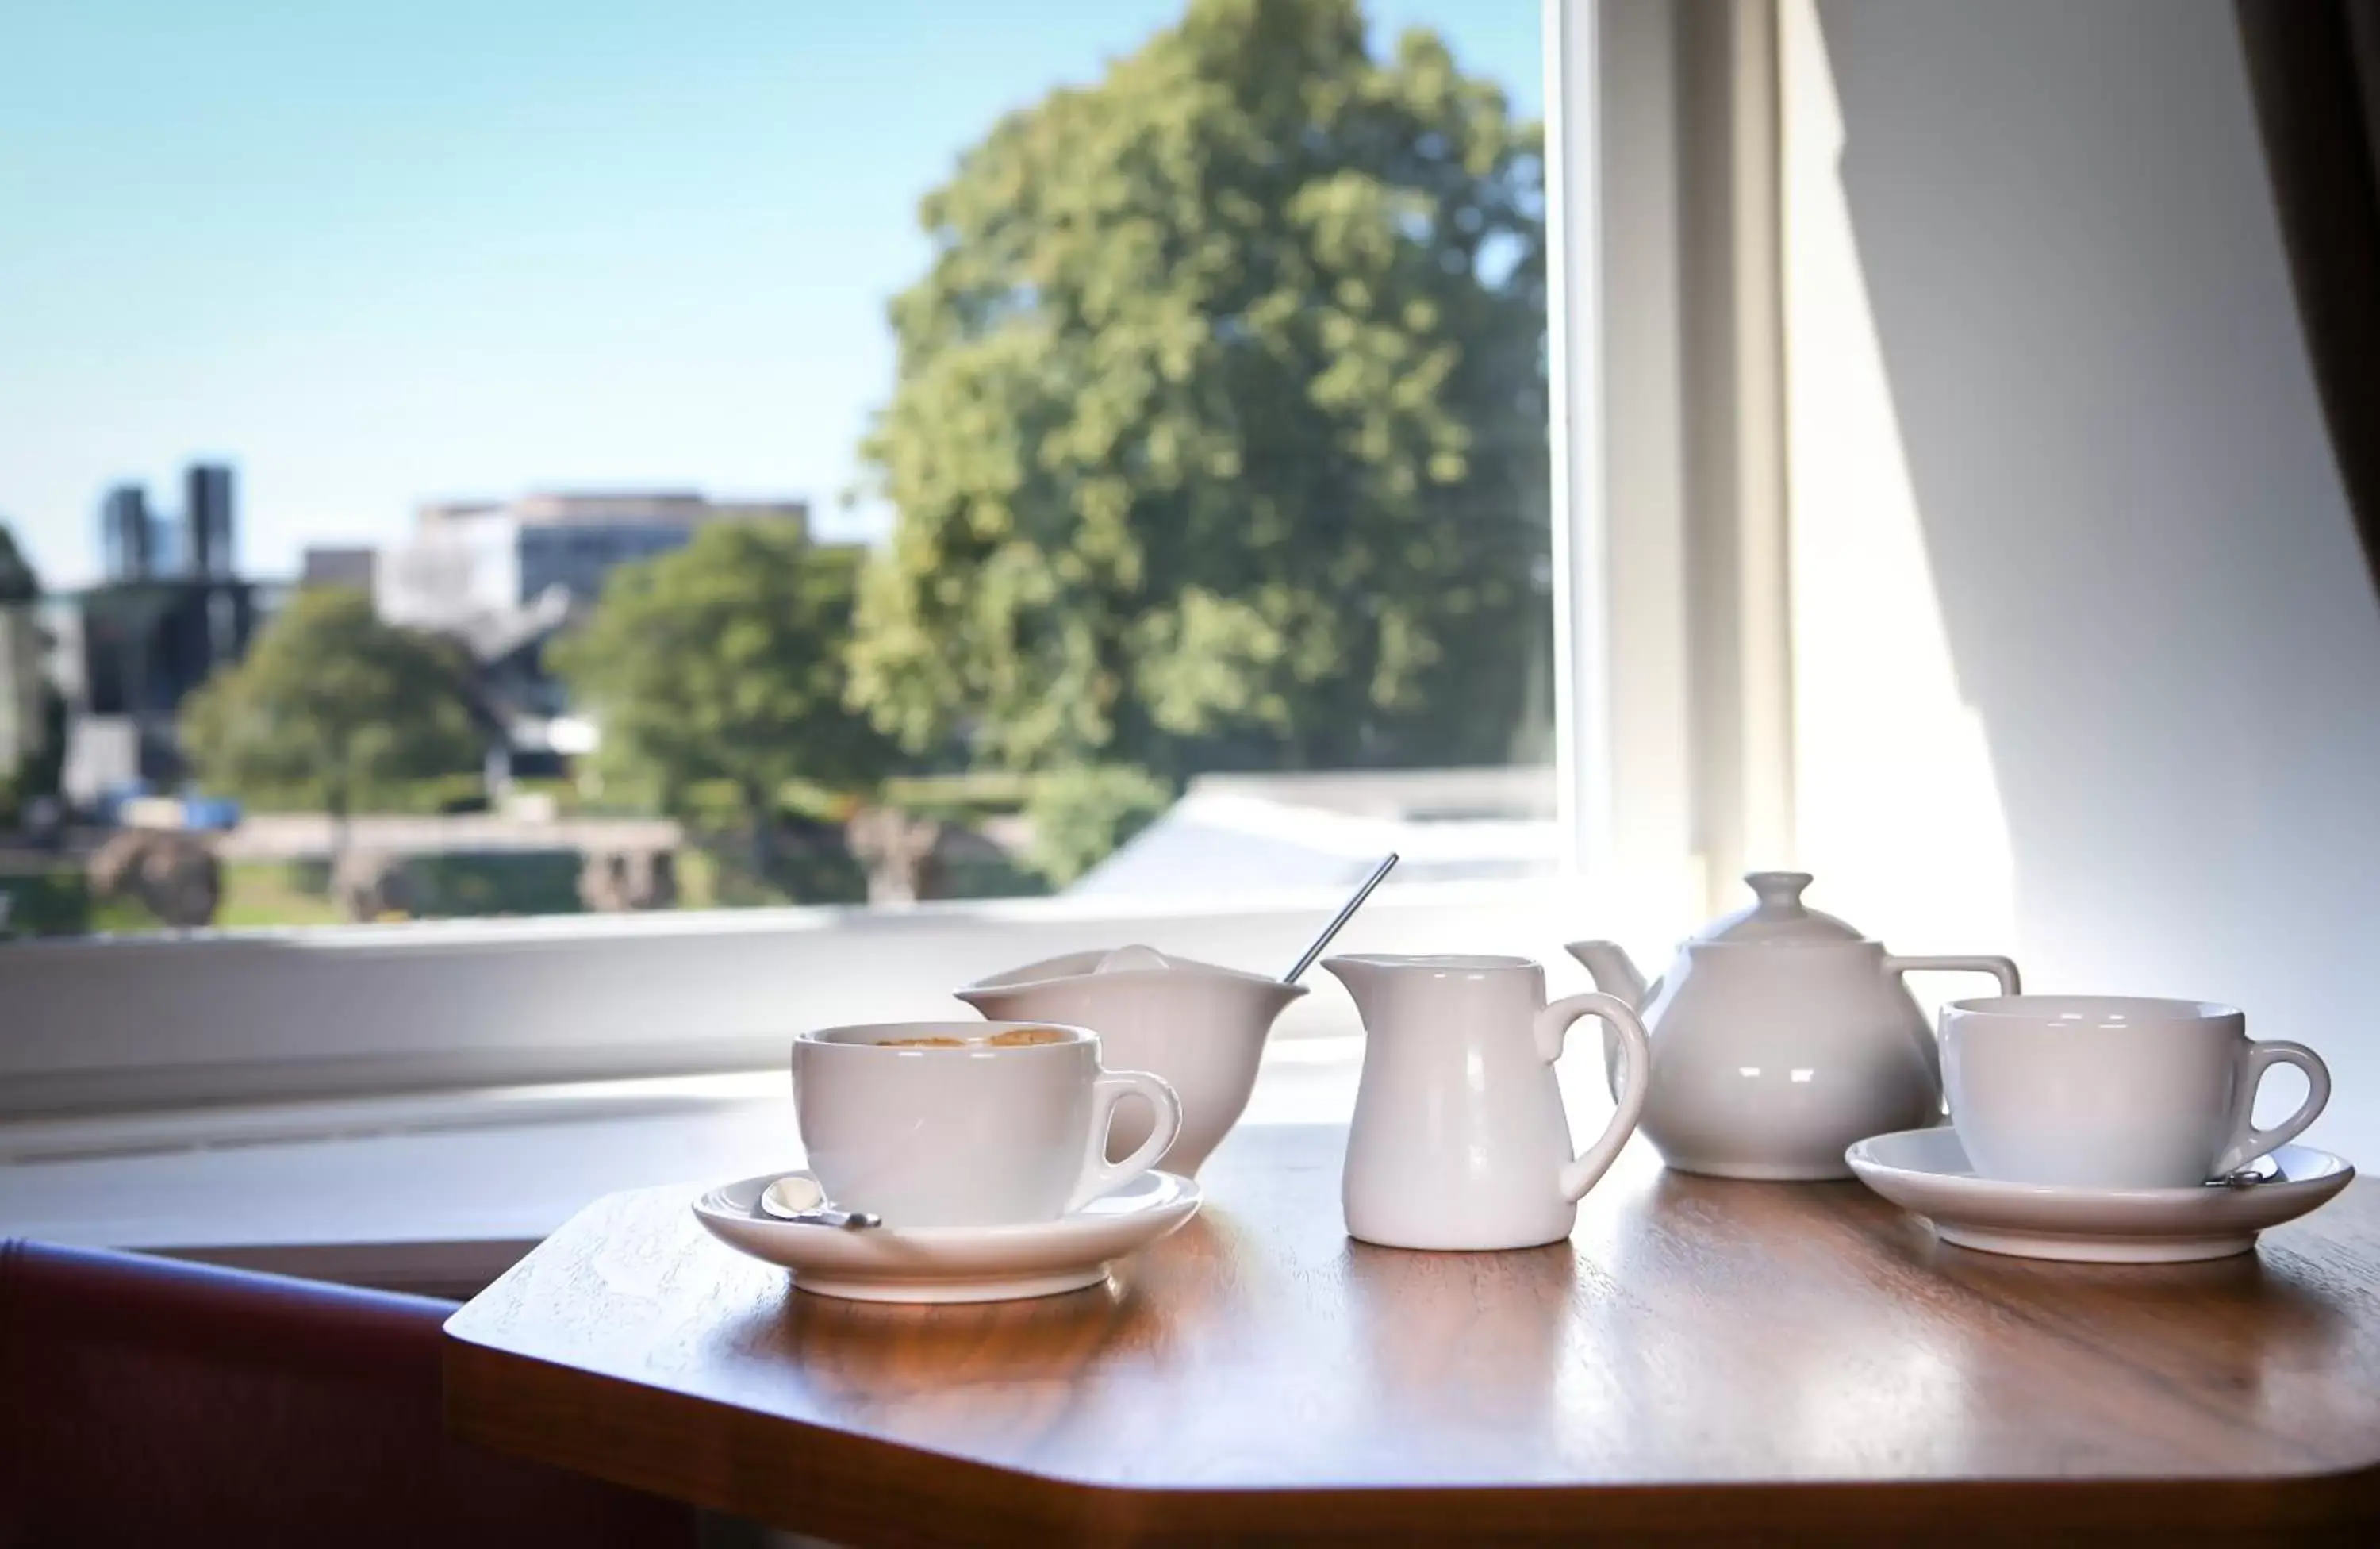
x=954, y=1263
x=1925, y=1172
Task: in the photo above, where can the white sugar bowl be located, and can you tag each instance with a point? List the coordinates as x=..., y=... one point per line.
x=1200, y=1026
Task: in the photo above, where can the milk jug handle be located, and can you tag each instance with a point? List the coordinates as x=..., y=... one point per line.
x=1552, y=1024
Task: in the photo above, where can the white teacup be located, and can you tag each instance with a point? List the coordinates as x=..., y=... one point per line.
x=2113, y=1092
x=967, y=1124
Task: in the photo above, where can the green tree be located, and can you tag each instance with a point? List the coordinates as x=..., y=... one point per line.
x=35, y=773
x=17, y=581
x=723, y=663
x=1081, y=815
x=1218, y=436
x=332, y=706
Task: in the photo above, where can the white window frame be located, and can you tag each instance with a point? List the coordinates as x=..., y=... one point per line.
x=1674, y=723
x=245, y=1017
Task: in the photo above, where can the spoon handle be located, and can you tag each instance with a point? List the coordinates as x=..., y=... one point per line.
x=1339, y=920
x=821, y=1215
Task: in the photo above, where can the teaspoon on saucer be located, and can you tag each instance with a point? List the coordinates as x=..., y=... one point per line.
x=800, y=1200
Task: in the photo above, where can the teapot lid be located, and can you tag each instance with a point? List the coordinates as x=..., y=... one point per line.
x=1778, y=915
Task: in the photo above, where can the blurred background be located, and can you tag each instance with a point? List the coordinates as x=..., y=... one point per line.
x=546, y=458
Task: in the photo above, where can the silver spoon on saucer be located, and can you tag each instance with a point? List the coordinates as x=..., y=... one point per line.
x=802, y=1202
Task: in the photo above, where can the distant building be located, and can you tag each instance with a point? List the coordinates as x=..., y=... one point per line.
x=471, y=562
x=339, y=565
x=206, y=515
x=148, y=643
x=128, y=534
x=170, y=612
x=504, y=577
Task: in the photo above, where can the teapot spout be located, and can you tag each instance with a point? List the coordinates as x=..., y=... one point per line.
x=1612, y=972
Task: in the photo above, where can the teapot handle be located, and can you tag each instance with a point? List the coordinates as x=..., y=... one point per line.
x=1551, y=1025
x=2000, y=969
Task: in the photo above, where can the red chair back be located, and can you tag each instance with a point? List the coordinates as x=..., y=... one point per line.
x=148, y=1401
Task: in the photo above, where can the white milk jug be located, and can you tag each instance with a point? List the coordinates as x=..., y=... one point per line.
x=1460, y=1139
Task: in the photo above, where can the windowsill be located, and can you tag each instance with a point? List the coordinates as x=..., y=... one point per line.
x=441, y=1194
x=347, y=1015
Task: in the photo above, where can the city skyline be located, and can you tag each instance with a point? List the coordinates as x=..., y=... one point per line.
x=382, y=260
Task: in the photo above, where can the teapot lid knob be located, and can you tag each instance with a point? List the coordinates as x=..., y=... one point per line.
x=1780, y=893
x=1780, y=917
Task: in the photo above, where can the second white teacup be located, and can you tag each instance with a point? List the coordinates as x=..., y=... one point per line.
x=967, y=1124
x=2113, y=1092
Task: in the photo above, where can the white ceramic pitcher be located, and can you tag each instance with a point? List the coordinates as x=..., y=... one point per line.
x=1460, y=1139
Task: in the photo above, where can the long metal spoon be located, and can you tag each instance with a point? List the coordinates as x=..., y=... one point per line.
x=1341, y=918
x=801, y=1201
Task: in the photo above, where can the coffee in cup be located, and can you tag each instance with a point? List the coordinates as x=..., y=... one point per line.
x=967, y=1124
x=1014, y=1038
x=2113, y=1092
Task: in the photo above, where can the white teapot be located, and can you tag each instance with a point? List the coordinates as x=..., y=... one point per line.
x=1780, y=1036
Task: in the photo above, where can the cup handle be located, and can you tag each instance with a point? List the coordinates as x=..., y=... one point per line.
x=1636, y=1072
x=1101, y=1175
x=2247, y=1142
x=2000, y=969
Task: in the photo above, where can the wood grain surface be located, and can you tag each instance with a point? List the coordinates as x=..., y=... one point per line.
x=1706, y=1361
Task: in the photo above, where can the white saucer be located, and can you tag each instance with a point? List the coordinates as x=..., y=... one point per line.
x=1924, y=1171
x=954, y=1263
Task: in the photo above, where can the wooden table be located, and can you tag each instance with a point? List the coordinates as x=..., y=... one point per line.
x=1703, y=1360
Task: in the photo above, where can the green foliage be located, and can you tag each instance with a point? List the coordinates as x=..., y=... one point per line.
x=446, y=884
x=1082, y=814
x=971, y=794
x=724, y=662
x=717, y=674
x=803, y=865
x=42, y=773
x=57, y=901
x=330, y=706
x=456, y=884
x=37, y=773
x=264, y=893
x=989, y=876
x=459, y=791
x=17, y=581
x=51, y=901
x=1219, y=430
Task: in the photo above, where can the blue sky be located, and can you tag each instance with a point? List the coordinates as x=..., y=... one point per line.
x=379, y=253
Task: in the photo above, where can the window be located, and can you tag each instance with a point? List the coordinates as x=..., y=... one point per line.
x=1152, y=509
